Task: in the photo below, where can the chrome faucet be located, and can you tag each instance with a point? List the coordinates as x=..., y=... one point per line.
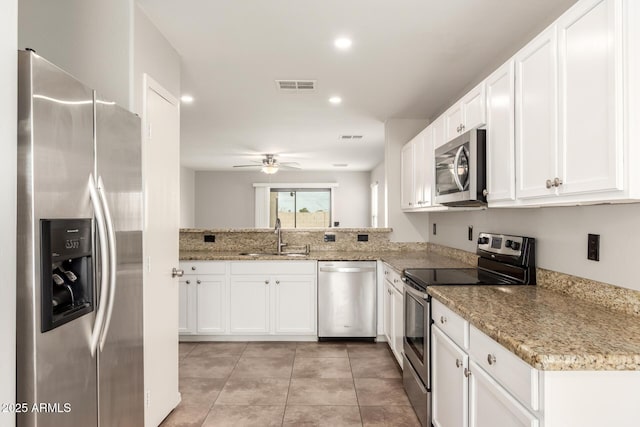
x=278, y=231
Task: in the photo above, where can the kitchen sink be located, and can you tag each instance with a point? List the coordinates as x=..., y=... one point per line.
x=284, y=254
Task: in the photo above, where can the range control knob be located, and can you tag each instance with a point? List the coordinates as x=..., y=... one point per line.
x=508, y=243
x=515, y=246
x=483, y=240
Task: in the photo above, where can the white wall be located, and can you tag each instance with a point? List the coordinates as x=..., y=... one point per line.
x=8, y=132
x=378, y=176
x=561, y=237
x=187, y=197
x=407, y=227
x=91, y=39
x=153, y=55
x=226, y=198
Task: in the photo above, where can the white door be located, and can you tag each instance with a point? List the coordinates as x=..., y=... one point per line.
x=249, y=307
x=536, y=116
x=407, y=176
x=450, y=386
x=501, y=159
x=589, y=48
x=211, y=302
x=388, y=314
x=419, y=169
x=453, y=122
x=295, y=309
x=438, y=132
x=491, y=405
x=398, y=323
x=161, y=171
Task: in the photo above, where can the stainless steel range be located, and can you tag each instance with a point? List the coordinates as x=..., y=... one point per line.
x=503, y=260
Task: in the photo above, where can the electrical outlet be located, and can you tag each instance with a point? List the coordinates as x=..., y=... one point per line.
x=434, y=228
x=210, y=238
x=470, y=233
x=593, y=247
x=329, y=237
x=363, y=237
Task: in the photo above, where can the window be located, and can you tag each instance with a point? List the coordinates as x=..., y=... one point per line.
x=300, y=207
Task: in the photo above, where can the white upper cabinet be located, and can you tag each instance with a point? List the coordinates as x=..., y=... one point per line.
x=466, y=114
x=407, y=179
x=536, y=116
x=437, y=132
x=501, y=181
x=590, y=82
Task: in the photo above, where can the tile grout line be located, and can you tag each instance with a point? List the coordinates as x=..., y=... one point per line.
x=355, y=390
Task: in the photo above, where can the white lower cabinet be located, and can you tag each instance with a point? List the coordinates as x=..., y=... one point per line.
x=450, y=397
x=246, y=298
x=393, y=312
x=491, y=405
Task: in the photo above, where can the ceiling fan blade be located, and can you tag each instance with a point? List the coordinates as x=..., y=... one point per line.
x=292, y=164
x=247, y=166
x=285, y=166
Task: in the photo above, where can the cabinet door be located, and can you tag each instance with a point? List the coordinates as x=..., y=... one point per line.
x=449, y=384
x=426, y=160
x=249, y=305
x=407, y=176
x=211, y=302
x=589, y=48
x=536, y=116
x=453, y=122
x=418, y=169
x=388, y=314
x=474, y=108
x=491, y=405
x=437, y=132
x=501, y=180
x=398, y=324
x=187, y=306
x=295, y=305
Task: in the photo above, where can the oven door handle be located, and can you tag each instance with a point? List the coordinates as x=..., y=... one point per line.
x=456, y=165
x=414, y=292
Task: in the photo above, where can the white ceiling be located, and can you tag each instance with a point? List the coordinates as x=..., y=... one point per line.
x=409, y=59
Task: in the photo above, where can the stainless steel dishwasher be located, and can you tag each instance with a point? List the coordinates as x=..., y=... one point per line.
x=346, y=299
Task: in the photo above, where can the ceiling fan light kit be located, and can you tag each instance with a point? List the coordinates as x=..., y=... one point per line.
x=269, y=169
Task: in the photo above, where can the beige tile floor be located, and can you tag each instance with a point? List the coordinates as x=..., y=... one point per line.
x=290, y=384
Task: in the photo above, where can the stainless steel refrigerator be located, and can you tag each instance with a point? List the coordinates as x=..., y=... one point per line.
x=79, y=272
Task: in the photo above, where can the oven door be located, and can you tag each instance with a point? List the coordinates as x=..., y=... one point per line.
x=417, y=321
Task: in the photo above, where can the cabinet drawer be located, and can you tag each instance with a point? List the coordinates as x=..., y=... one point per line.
x=273, y=267
x=509, y=370
x=393, y=277
x=203, y=267
x=450, y=323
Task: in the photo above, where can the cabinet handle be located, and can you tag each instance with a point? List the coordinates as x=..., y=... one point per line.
x=557, y=182
x=277, y=282
x=443, y=320
x=188, y=282
x=461, y=127
x=467, y=372
x=198, y=281
x=458, y=363
x=266, y=282
x=491, y=358
x=389, y=291
x=410, y=204
x=193, y=267
x=549, y=184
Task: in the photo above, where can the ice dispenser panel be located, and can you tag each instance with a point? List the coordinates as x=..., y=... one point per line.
x=67, y=276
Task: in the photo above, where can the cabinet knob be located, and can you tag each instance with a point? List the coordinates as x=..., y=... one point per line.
x=458, y=363
x=549, y=184
x=277, y=282
x=443, y=320
x=485, y=193
x=198, y=281
x=389, y=291
x=188, y=282
x=467, y=372
x=410, y=204
x=491, y=358
x=193, y=268
x=557, y=182
x=266, y=282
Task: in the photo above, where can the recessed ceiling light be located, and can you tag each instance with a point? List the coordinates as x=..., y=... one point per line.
x=187, y=99
x=342, y=43
x=335, y=100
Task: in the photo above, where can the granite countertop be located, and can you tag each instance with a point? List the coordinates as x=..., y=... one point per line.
x=399, y=260
x=548, y=330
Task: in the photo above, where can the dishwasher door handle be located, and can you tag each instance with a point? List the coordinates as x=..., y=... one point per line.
x=347, y=269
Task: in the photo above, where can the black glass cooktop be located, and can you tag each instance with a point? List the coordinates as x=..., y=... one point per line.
x=454, y=276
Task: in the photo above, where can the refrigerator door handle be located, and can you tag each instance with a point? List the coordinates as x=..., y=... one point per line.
x=113, y=261
x=104, y=262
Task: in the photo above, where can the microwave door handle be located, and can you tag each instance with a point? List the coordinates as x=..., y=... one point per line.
x=104, y=264
x=456, y=162
x=113, y=261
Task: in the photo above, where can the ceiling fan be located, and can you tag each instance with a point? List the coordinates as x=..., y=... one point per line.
x=270, y=164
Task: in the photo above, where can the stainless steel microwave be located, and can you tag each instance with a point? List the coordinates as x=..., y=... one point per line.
x=461, y=170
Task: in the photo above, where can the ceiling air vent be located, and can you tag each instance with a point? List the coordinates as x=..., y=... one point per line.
x=340, y=165
x=296, y=86
x=350, y=137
